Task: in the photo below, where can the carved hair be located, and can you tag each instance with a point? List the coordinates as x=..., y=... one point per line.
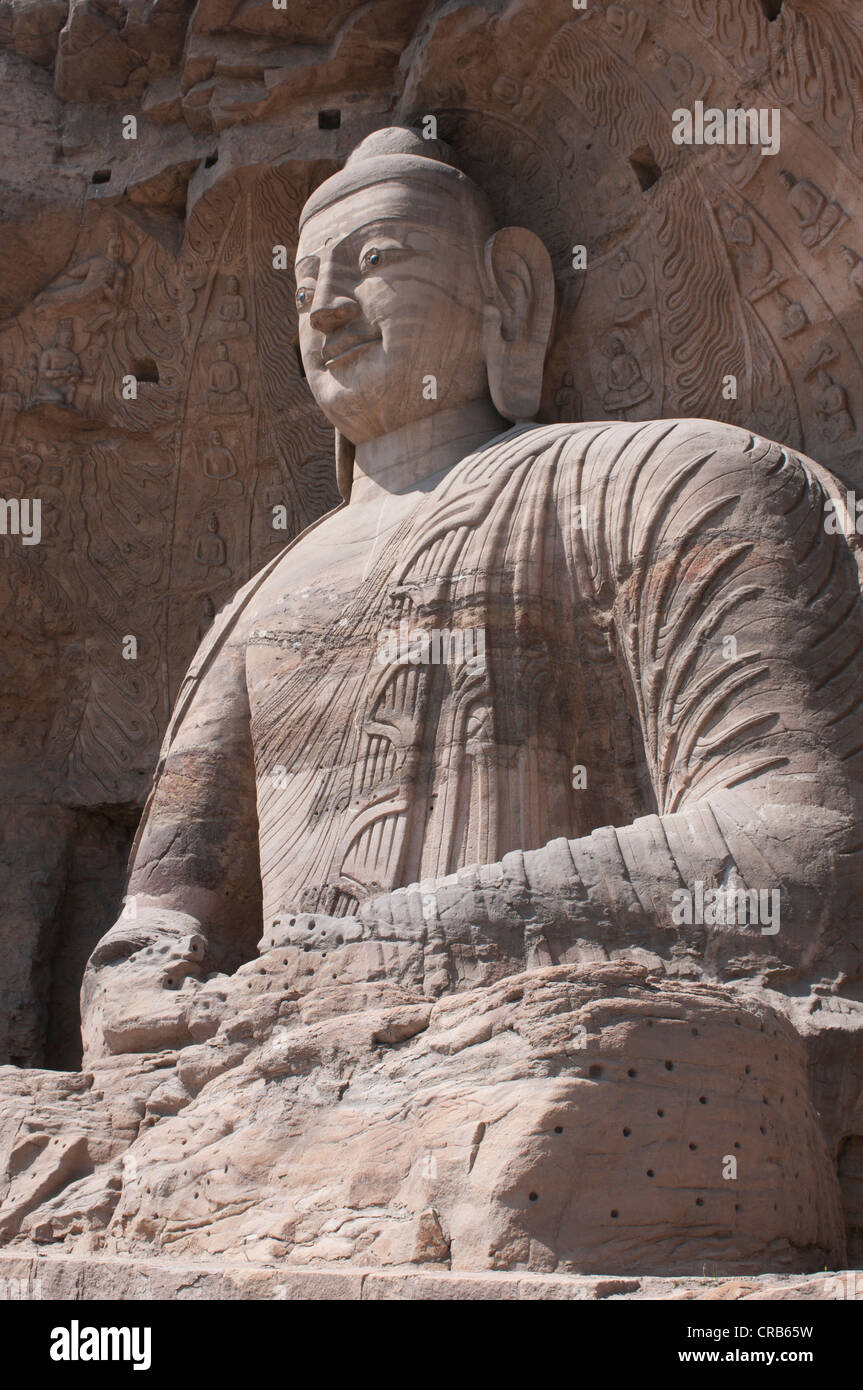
x=401, y=153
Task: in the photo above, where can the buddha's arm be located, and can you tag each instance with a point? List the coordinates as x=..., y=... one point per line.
x=740, y=620
x=193, y=898
x=739, y=624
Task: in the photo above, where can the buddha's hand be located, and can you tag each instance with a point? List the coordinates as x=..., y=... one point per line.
x=140, y=985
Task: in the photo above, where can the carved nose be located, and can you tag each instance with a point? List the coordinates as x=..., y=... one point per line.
x=334, y=313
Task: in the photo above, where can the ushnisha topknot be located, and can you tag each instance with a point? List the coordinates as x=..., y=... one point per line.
x=398, y=152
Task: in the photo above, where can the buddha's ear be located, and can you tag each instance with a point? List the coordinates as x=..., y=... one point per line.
x=344, y=465
x=518, y=319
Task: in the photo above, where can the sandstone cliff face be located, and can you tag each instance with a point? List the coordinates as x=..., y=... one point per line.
x=140, y=256
x=154, y=156
x=537, y=1124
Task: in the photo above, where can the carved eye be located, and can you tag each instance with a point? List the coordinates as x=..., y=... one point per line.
x=370, y=259
x=304, y=297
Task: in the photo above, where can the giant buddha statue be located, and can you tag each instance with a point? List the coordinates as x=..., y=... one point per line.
x=617, y=862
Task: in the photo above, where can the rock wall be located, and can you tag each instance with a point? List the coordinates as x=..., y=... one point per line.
x=154, y=159
x=538, y=1124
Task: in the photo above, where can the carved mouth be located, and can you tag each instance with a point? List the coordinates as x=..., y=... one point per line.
x=338, y=352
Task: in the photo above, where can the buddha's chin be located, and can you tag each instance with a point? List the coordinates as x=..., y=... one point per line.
x=348, y=393
x=350, y=365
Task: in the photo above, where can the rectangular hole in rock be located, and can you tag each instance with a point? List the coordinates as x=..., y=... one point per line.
x=145, y=369
x=645, y=167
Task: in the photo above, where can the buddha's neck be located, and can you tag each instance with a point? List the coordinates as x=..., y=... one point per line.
x=411, y=456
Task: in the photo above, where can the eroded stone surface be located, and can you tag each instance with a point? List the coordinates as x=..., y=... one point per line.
x=525, y=1064
x=539, y=106
x=96, y=1277
x=517, y=1126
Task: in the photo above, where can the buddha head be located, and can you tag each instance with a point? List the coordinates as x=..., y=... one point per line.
x=410, y=300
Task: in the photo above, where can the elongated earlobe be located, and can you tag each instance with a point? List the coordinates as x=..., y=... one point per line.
x=518, y=320
x=344, y=465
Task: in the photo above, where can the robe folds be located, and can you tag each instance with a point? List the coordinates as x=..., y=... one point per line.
x=598, y=665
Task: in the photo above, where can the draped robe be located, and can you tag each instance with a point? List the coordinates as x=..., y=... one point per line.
x=661, y=606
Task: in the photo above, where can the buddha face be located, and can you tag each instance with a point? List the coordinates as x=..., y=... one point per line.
x=390, y=308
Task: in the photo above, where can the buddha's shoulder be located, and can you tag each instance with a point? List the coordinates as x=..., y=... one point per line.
x=241, y=611
x=608, y=440
x=622, y=452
